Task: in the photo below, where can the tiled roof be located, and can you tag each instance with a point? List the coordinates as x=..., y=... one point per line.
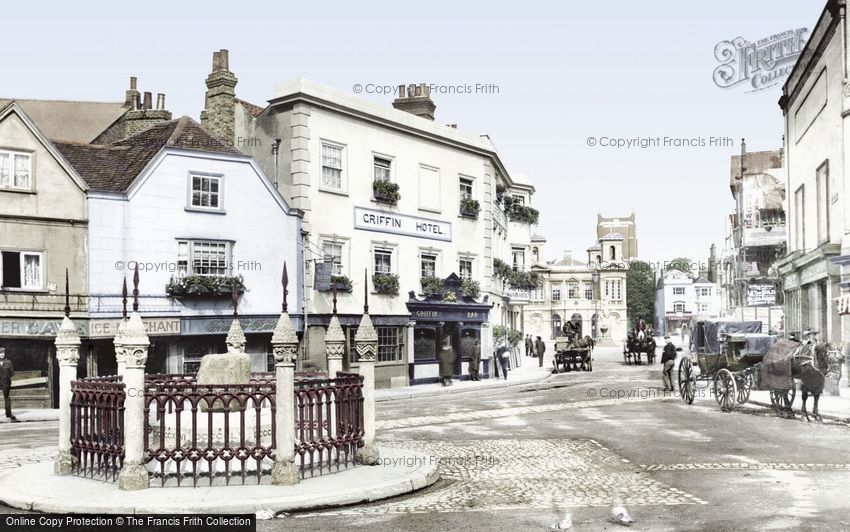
x=114, y=167
x=255, y=110
x=69, y=121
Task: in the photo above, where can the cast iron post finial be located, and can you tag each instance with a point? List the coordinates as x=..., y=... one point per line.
x=234, y=300
x=334, y=288
x=67, y=296
x=136, y=289
x=284, y=280
x=366, y=291
x=124, y=298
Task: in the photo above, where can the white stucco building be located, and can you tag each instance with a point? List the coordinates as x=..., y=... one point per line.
x=680, y=299
x=388, y=197
x=194, y=215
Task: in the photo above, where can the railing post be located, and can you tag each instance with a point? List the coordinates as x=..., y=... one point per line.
x=366, y=344
x=334, y=346
x=68, y=355
x=285, y=348
x=133, y=474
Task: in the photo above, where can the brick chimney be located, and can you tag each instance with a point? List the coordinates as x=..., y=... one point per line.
x=416, y=100
x=219, y=114
x=141, y=114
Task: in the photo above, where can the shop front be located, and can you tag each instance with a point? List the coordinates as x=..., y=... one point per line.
x=438, y=324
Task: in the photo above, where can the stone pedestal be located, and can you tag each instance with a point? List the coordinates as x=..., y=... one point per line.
x=366, y=344
x=285, y=348
x=133, y=475
x=68, y=355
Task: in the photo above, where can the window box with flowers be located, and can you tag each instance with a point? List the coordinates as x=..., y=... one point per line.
x=205, y=286
x=431, y=285
x=385, y=192
x=470, y=288
x=386, y=283
x=469, y=207
x=522, y=213
x=341, y=282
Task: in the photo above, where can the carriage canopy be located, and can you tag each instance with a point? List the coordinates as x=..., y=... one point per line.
x=706, y=335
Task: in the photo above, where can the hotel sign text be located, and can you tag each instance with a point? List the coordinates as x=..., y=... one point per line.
x=401, y=224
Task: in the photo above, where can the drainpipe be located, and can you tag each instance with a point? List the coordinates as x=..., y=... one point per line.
x=275, y=150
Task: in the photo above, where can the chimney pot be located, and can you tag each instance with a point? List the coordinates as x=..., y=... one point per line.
x=160, y=101
x=426, y=90
x=216, y=66
x=411, y=90
x=133, y=83
x=224, y=57
x=136, y=103
x=147, y=104
x=401, y=91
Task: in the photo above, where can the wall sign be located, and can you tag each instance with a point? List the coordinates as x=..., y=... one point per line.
x=402, y=224
x=153, y=327
x=38, y=327
x=761, y=295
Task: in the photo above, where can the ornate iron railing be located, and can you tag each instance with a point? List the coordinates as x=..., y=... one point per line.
x=97, y=427
x=328, y=423
x=226, y=427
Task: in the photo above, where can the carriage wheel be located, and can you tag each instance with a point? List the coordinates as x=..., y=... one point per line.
x=745, y=384
x=780, y=398
x=687, y=381
x=725, y=390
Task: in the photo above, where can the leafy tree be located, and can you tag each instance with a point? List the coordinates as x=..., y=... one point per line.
x=640, y=292
x=683, y=264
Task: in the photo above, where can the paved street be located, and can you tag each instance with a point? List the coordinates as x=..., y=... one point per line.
x=517, y=458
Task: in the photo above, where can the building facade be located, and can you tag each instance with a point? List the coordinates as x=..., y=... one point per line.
x=681, y=299
x=389, y=199
x=749, y=283
x=591, y=293
x=816, y=106
x=184, y=208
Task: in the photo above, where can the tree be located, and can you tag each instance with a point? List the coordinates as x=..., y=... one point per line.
x=640, y=292
x=683, y=264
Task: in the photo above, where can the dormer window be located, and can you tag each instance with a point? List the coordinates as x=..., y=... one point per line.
x=15, y=170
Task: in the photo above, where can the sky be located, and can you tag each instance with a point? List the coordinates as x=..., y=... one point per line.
x=562, y=72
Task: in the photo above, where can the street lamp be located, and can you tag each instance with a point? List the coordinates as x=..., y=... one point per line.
x=595, y=288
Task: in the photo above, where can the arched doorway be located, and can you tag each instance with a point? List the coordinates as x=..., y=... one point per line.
x=577, y=324
x=594, y=326
x=556, y=325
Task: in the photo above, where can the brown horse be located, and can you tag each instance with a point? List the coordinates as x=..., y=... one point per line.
x=811, y=364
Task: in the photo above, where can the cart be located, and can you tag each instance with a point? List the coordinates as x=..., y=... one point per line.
x=572, y=355
x=725, y=355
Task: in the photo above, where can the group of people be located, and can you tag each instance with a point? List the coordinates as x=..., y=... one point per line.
x=535, y=348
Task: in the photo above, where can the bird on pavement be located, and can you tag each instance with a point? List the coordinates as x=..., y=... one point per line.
x=619, y=514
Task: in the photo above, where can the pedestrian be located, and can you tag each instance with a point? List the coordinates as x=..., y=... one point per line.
x=529, y=346
x=6, y=372
x=447, y=361
x=475, y=360
x=668, y=361
x=540, y=347
x=502, y=355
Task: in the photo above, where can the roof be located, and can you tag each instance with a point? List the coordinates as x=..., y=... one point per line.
x=702, y=280
x=755, y=162
x=70, y=121
x=254, y=110
x=538, y=238
x=613, y=236
x=114, y=167
x=595, y=247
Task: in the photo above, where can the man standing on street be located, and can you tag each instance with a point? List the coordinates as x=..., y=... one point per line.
x=540, y=347
x=529, y=346
x=502, y=354
x=6, y=372
x=668, y=361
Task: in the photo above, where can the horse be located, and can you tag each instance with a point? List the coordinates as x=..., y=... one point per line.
x=812, y=364
x=635, y=347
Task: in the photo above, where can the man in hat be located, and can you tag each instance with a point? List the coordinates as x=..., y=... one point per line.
x=668, y=362
x=6, y=372
x=540, y=347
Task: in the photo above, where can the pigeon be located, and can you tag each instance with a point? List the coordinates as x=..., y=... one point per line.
x=563, y=524
x=619, y=514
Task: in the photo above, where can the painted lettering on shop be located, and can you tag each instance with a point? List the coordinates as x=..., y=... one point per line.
x=402, y=224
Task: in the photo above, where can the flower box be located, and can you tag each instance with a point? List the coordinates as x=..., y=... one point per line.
x=205, y=286
x=386, y=192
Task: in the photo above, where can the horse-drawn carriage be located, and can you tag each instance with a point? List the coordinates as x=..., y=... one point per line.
x=573, y=354
x=634, y=347
x=733, y=357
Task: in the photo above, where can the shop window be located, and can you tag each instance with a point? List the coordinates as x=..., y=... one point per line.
x=425, y=344
x=470, y=343
x=21, y=269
